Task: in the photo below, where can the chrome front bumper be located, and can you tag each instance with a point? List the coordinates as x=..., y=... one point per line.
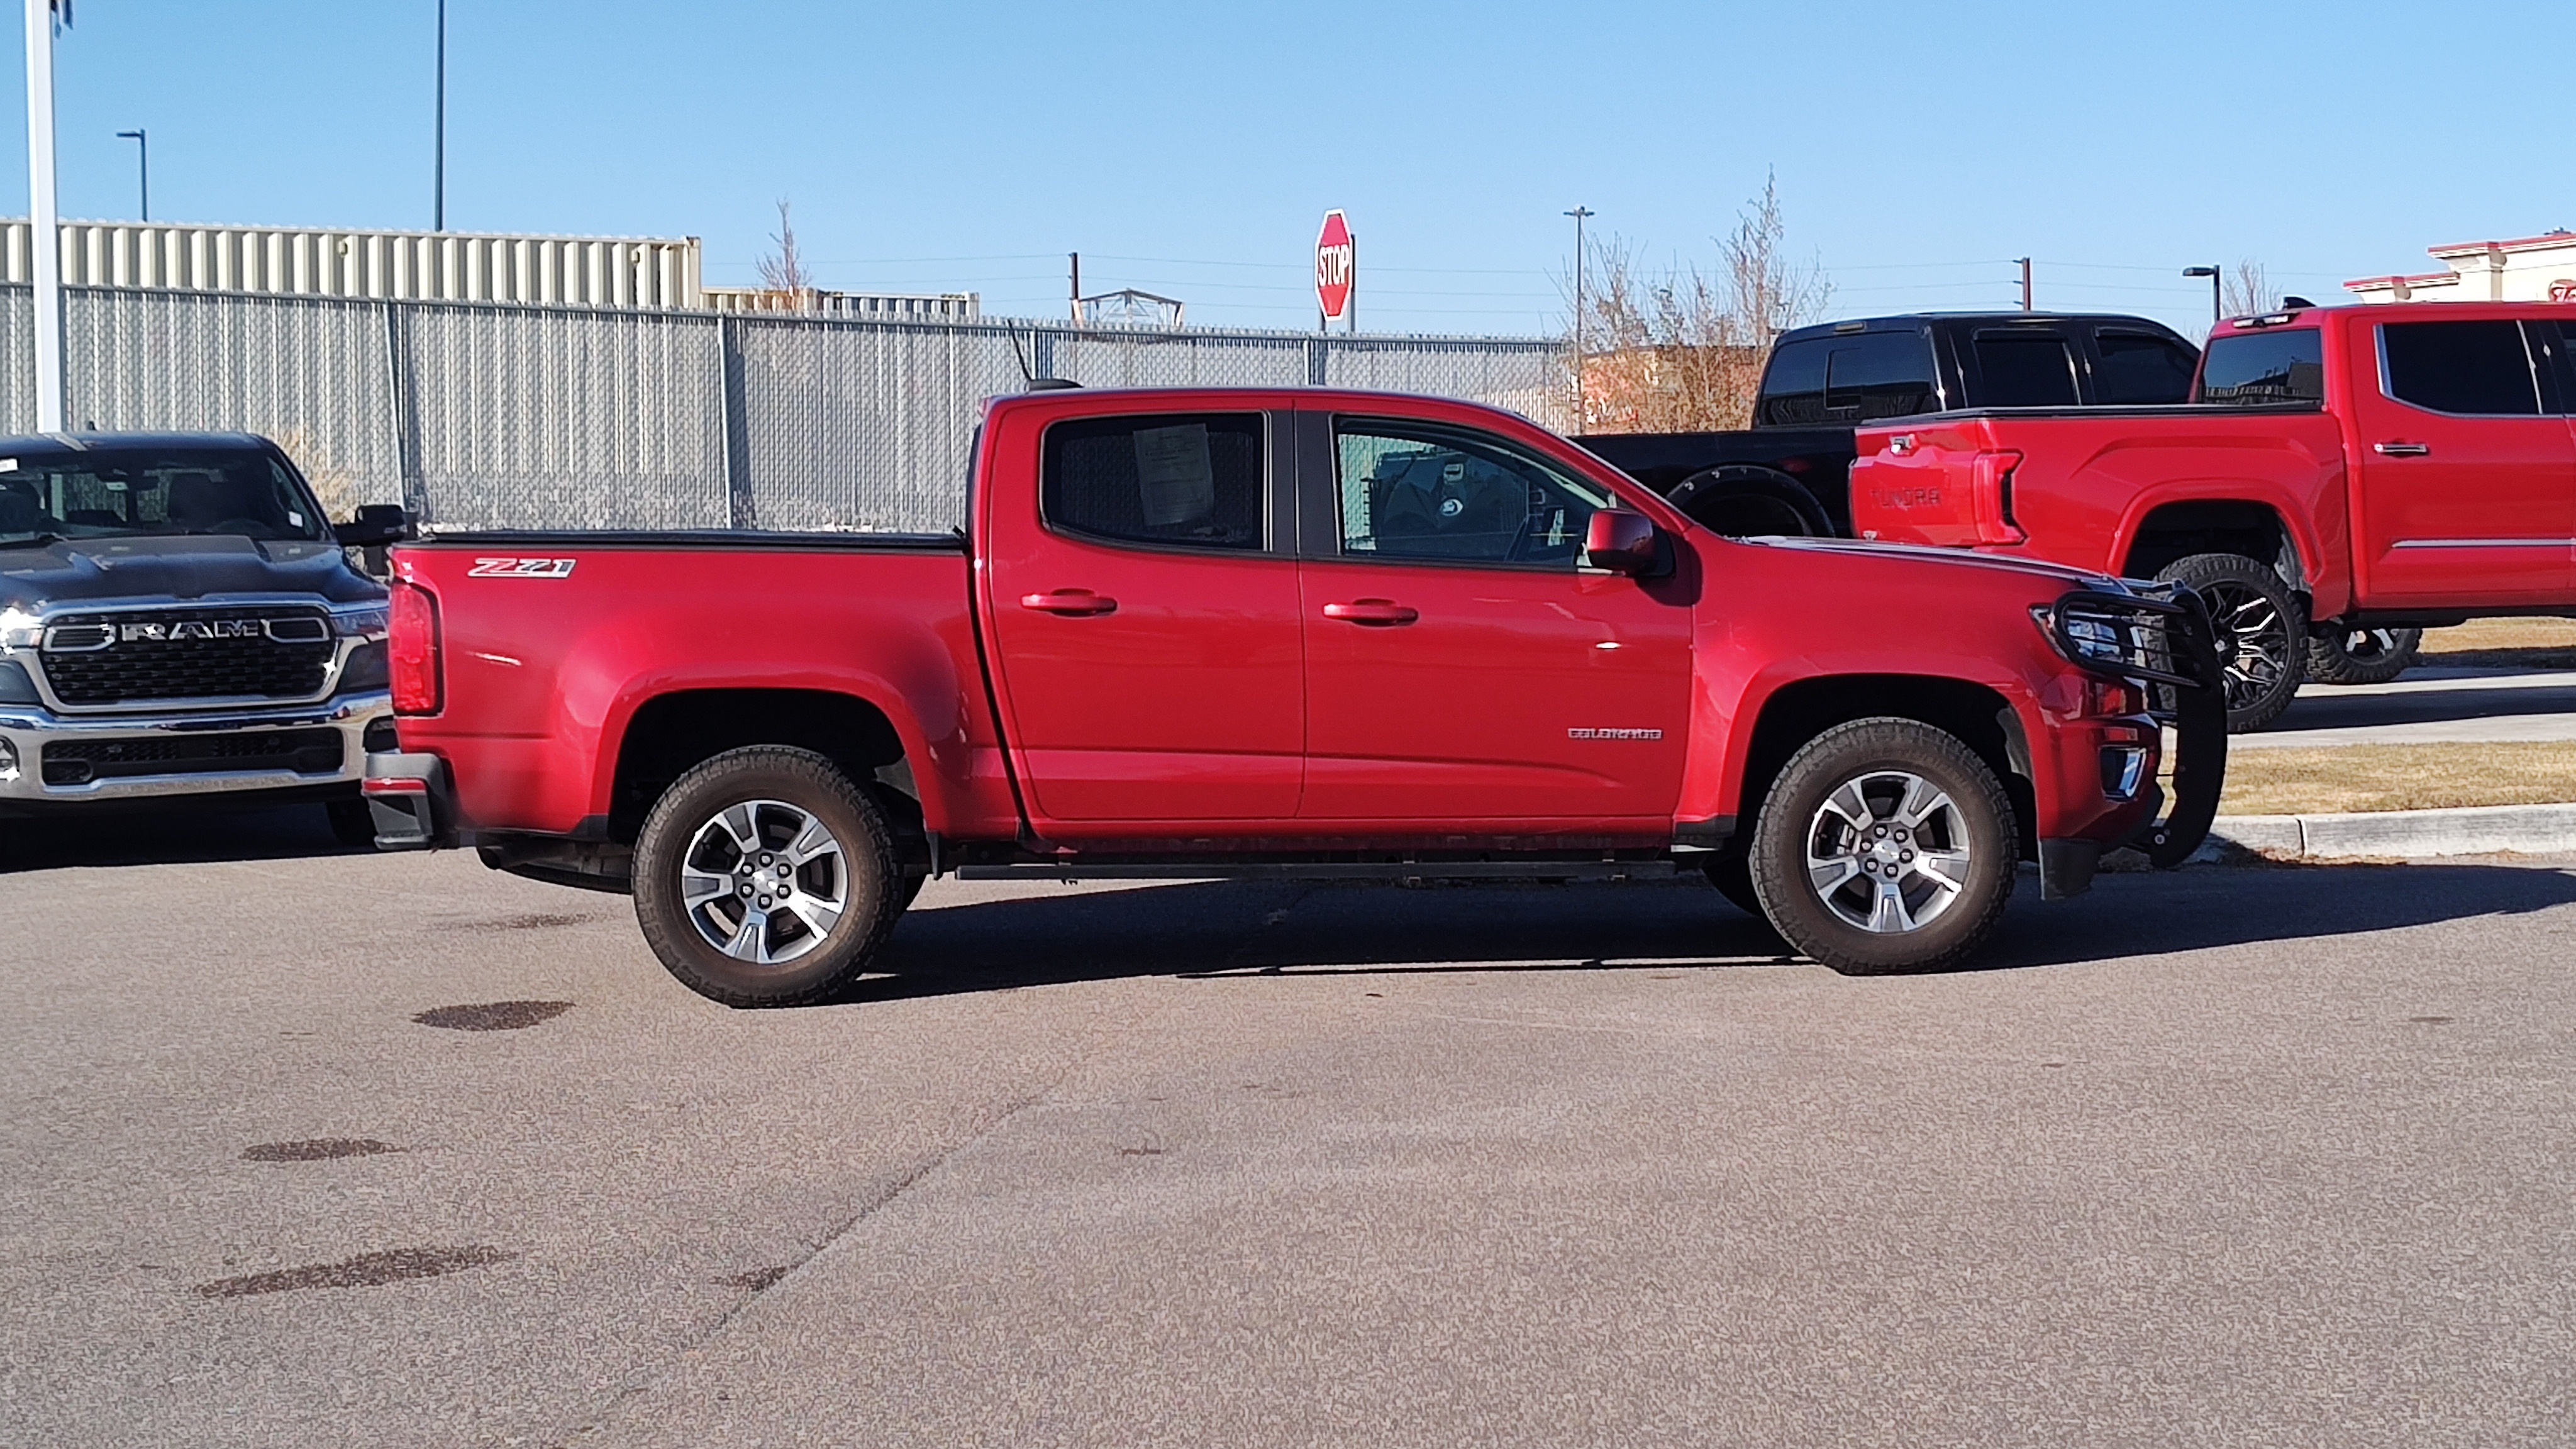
x=29, y=728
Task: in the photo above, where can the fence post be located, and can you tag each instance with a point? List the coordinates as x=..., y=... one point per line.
x=737, y=441
x=1318, y=361
x=406, y=412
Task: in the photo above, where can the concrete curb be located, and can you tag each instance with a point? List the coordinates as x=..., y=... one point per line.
x=2481, y=830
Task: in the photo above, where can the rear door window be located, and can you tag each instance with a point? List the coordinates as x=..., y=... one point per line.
x=2255, y=368
x=1185, y=480
x=2019, y=368
x=2475, y=368
x=1879, y=375
x=2141, y=368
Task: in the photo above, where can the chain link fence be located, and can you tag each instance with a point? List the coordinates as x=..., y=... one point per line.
x=503, y=416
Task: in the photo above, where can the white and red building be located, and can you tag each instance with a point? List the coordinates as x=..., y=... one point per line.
x=2526, y=269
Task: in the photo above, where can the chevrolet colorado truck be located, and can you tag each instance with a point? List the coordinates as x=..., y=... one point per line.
x=1789, y=473
x=179, y=622
x=1278, y=633
x=2344, y=478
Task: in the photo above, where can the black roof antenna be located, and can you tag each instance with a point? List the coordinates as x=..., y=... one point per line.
x=1035, y=382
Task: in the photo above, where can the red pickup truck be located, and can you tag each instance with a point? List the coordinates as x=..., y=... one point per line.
x=1300, y=633
x=2344, y=478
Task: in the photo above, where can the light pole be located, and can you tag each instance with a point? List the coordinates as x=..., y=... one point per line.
x=44, y=228
x=142, y=166
x=2217, y=307
x=438, y=207
x=1578, y=213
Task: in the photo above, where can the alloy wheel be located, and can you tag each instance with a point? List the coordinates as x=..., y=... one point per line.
x=1888, y=852
x=2253, y=640
x=764, y=881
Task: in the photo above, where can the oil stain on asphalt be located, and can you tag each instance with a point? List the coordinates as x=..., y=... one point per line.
x=363, y=1271
x=317, y=1149
x=493, y=1015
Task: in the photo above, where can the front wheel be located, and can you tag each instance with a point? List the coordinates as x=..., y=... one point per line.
x=2337, y=655
x=1885, y=846
x=2262, y=633
x=766, y=877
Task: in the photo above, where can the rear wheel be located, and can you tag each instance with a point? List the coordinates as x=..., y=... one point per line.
x=1744, y=501
x=2337, y=655
x=766, y=877
x=2262, y=633
x=1885, y=846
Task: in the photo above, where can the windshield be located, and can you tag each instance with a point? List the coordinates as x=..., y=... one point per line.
x=145, y=492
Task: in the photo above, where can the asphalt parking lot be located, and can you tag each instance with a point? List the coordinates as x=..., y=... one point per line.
x=2229, y=1156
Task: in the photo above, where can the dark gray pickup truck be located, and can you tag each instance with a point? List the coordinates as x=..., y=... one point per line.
x=179, y=620
x=1790, y=473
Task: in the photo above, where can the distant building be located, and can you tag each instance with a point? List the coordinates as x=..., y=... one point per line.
x=2527, y=269
x=658, y=273
x=859, y=306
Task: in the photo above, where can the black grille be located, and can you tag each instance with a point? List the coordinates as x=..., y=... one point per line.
x=139, y=668
x=306, y=752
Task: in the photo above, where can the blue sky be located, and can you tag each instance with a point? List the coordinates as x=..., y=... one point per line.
x=1192, y=148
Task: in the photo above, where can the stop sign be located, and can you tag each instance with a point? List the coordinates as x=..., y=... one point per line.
x=1333, y=266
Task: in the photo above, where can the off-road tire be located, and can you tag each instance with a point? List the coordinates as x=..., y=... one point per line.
x=2337, y=655
x=353, y=821
x=1876, y=750
x=805, y=781
x=2265, y=665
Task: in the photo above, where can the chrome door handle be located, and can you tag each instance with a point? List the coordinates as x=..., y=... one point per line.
x=2402, y=450
x=1074, y=603
x=1380, y=613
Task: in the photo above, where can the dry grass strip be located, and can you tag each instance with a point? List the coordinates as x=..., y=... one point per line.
x=2338, y=779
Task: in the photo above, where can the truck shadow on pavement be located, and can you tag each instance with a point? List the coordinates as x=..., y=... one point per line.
x=129, y=835
x=1222, y=930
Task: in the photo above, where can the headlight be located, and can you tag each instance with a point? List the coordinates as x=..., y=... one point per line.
x=2095, y=638
x=2125, y=637
x=367, y=623
x=20, y=629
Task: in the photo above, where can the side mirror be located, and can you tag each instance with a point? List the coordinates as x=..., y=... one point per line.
x=1621, y=542
x=375, y=525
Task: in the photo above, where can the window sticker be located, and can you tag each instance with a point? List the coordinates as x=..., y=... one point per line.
x=1175, y=481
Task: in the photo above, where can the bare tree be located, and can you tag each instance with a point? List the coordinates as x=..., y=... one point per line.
x=1682, y=349
x=2245, y=291
x=783, y=271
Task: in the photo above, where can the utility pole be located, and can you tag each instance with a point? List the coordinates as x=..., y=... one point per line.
x=438, y=208
x=2025, y=283
x=1578, y=213
x=1074, y=261
x=143, y=166
x=44, y=226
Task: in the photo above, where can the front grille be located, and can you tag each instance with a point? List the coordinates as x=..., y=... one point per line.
x=306, y=752
x=276, y=653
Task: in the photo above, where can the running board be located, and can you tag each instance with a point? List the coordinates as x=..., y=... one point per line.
x=1421, y=870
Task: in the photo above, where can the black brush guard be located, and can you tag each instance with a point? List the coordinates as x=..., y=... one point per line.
x=2177, y=663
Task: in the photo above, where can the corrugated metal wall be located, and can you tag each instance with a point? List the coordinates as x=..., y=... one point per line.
x=495, y=416
x=652, y=272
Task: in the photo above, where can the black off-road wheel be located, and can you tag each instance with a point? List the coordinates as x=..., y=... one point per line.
x=766, y=877
x=1885, y=846
x=2262, y=633
x=2337, y=655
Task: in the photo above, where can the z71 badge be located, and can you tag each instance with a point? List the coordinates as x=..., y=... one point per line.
x=521, y=568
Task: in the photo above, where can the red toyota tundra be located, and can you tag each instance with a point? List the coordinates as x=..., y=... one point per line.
x=2344, y=478
x=1305, y=633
